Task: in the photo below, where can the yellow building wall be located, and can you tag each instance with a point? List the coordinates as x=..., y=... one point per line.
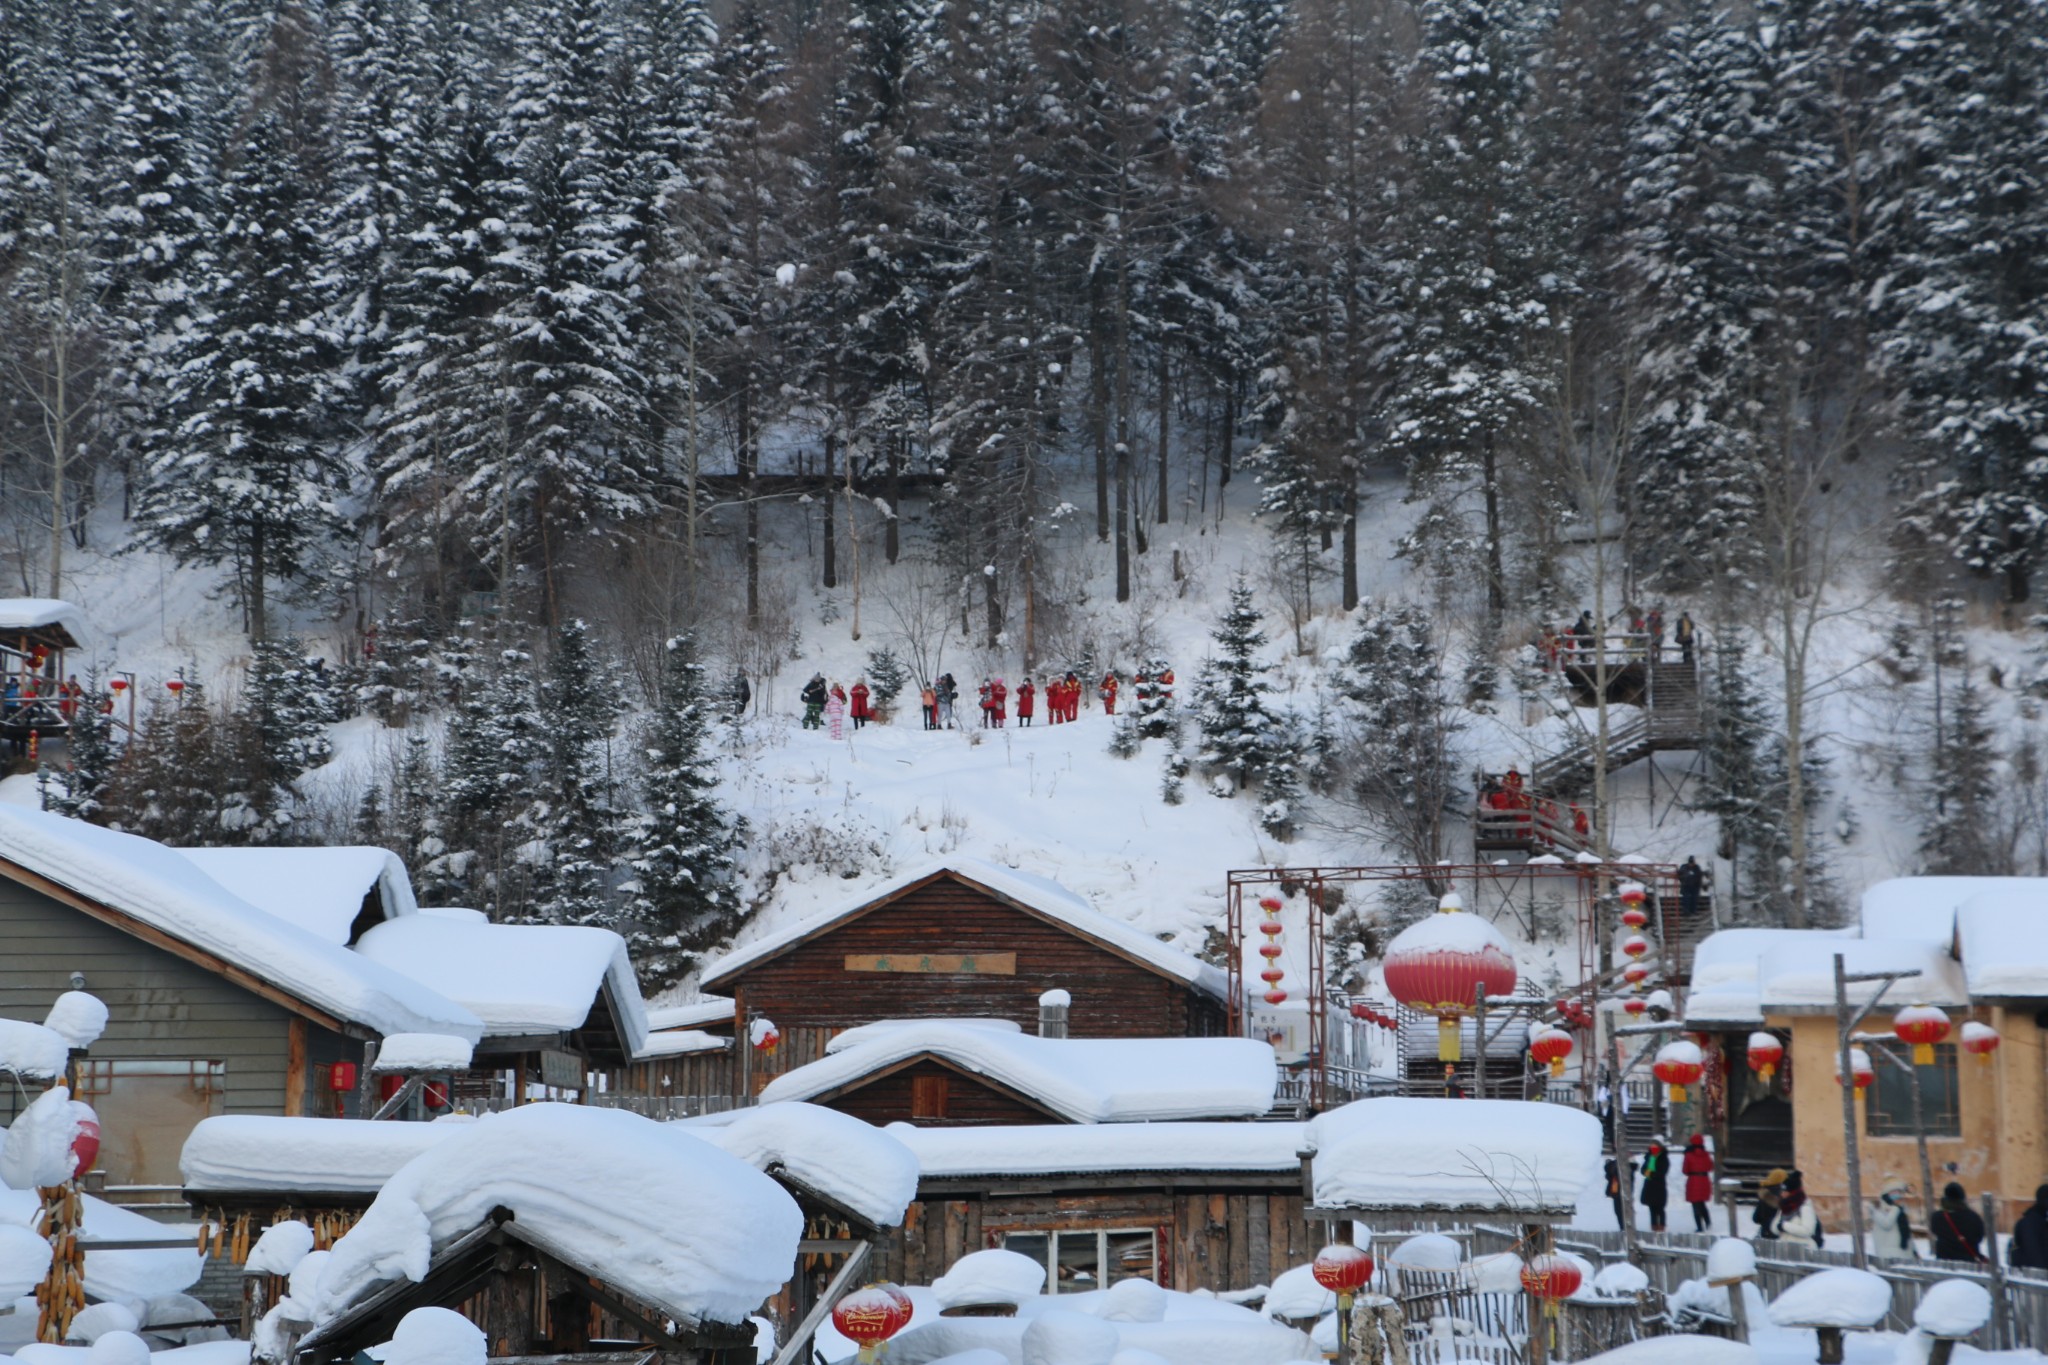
x=2003, y=1149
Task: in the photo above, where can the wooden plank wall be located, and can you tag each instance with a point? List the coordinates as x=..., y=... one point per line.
x=968, y=1101
x=809, y=986
x=1217, y=1240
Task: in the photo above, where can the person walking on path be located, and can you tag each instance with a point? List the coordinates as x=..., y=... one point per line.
x=863, y=704
x=999, y=702
x=928, y=702
x=1108, y=693
x=1958, y=1231
x=1026, y=702
x=985, y=699
x=1656, y=1191
x=1691, y=876
x=1698, y=1167
x=1797, y=1217
x=814, y=702
x=1683, y=634
x=1769, y=1196
x=1615, y=1194
x=949, y=699
x=2028, y=1249
x=1891, y=1231
x=835, y=712
x=1655, y=622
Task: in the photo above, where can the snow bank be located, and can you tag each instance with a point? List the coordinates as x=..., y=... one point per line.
x=1998, y=932
x=1840, y=1297
x=435, y=1336
x=25, y=1259
x=1620, y=1281
x=1032, y=894
x=1296, y=1295
x=319, y=889
x=992, y=1276
x=165, y=890
x=662, y=1216
x=1217, y=1343
x=1059, y=1336
x=1499, y=1273
x=409, y=1053
x=96, y=1320
x=33, y=1052
x=1060, y=1149
x=1802, y=975
x=280, y=1249
x=129, y=1276
x=1953, y=1308
x=1084, y=1080
x=1479, y=1155
x=37, y=1151
x=260, y=1152
x=862, y=1034
x=1428, y=1251
x=1678, y=1349
x=517, y=978
x=855, y=1165
x=78, y=1017
x=1132, y=1301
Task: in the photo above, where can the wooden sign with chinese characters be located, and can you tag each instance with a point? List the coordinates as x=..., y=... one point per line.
x=935, y=964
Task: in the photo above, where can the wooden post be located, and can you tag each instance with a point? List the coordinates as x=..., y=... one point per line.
x=1537, y=1235
x=1738, y=1304
x=2001, y=1300
x=1830, y=1342
x=1859, y=1252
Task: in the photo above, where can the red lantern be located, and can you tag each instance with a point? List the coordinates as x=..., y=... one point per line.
x=177, y=686
x=1679, y=1065
x=435, y=1093
x=1437, y=965
x=1273, y=976
x=1361, y=1010
x=1276, y=996
x=1342, y=1269
x=1980, y=1040
x=118, y=684
x=1552, y=1279
x=868, y=1317
x=341, y=1077
x=1633, y=894
x=1635, y=945
x=85, y=1147
x=1636, y=1006
x=387, y=1086
x=765, y=1037
x=1635, y=917
x=1923, y=1026
x=1270, y=904
x=1861, y=1072
x=1272, y=928
x=1636, y=973
x=1550, y=1046
x=1765, y=1052
x=1270, y=950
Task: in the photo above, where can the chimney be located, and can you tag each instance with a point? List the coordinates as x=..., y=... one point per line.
x=1052, y=1013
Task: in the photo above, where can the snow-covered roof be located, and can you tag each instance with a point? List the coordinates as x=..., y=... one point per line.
x=680, y=1042
x=41, y=613
x=319, y=889
x=1800, y=977
x=416, y=1053
x=654, y=1212
x=855, y=1165
x=1083, y=1080
x=1504, y=1156
x=520, y=979
x=163, y=889
x=1103, y=1149
x=707, y=1009
x=234, y=1153
x=1726, y=967
x=1999, y=935
x=1924, y=908
x=1032, y=894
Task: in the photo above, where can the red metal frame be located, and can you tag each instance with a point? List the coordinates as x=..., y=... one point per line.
x=1590, y=878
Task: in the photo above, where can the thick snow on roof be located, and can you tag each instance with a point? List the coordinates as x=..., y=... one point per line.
x=1034, y=893
x=237, y=1152
x=1801, y=976
x=1924, y=908
x=1483, y=1155
x=1084, y=1080
x=519, y=978
x=660, y=1215
x=709, y=1009
x=319, y=889
x=856, y=1165
x=868, y=1033
x=123, y=1275
x=1999, y=934
x=165, y=890
x=1058, y=1149
x=34, y=613
x=681, y=1042
x=1725, y=969
x=412, y=1052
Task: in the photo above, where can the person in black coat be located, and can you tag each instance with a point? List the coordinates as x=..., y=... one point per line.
x=1690, y=877
x=1617, y=1191
x=1656, y=1193
x=2028, y=1249
x=1958, y=1231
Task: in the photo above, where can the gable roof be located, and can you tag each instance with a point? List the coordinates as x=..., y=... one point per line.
x=1082, y=1080
x=519, y=979
x=50, y=620
x=319, y=889
x=157, y=894
x=1035, y=896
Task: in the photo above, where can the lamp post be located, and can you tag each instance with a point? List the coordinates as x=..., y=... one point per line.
x=1846, y=1021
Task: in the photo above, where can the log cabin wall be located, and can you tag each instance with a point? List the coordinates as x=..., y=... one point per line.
x=1219, y=1239
x=1002, y=960
x=935, y=1096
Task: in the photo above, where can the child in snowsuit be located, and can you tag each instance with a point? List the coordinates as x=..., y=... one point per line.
x=1108, y=693
x=814, y=702
x=988, y=704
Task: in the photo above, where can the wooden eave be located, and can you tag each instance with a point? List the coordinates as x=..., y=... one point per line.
x=179, y=948
x=998, y=1186
x=946, y=874
x=868, y=1078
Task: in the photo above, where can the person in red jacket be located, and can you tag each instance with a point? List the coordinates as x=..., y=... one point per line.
x=1026, y=694
x=1073, y=688
x=999, y=703
x=863, y=709
x=1108, y=693
x=1698, y=1168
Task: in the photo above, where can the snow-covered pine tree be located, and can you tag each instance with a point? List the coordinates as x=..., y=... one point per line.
x=684, y=899
x=580, y=705
x=1153, y=713
x=1394, y=725
x=490, y=794
x=373, y=822
x=287, y=705
x=79, y=788
x=1964, y=832
x=1244, y=740
x=887, y=675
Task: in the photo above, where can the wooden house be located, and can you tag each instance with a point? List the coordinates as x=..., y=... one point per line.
x=215, y=1007
x=963, y=938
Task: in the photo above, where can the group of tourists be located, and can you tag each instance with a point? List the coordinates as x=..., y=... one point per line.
x=828, y=705
x=19, y=696
x=1654, y=1192
x=1576, y=643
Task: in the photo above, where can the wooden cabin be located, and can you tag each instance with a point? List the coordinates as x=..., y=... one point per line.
x=35, y=635
x=963, y=938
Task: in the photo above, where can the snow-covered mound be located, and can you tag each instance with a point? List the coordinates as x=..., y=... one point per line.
x=263, y=1152
x=1492, y=1155
x=990, y=1276
x=857, y=1166
x=1953, y=1308
x=34, y=1052
x=1838, y=1297
x=1678, y=1349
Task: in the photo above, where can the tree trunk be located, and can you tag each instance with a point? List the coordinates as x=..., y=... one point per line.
x=1098, y=410
x=743, y=419
x=258, y=624
x=1123, y=429
x=892, y=541
x=1351, y=544
x=1496, y=576
x=1228, y=447
x=1165, y=414
x=831, y=566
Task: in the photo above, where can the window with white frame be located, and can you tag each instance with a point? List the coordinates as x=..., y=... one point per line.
x=1080, y=1259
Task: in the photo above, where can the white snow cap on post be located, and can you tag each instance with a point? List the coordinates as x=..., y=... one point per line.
x=32, y=1051
x=1731, y=1258
x=37, y=1153
x=78, y=1017
x=1841, y=1297
x=1056, y=998
x=1953, y=1308
x=411, y=1054
x=280, y=1249
x=991, y=1276
x=436, y=1336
